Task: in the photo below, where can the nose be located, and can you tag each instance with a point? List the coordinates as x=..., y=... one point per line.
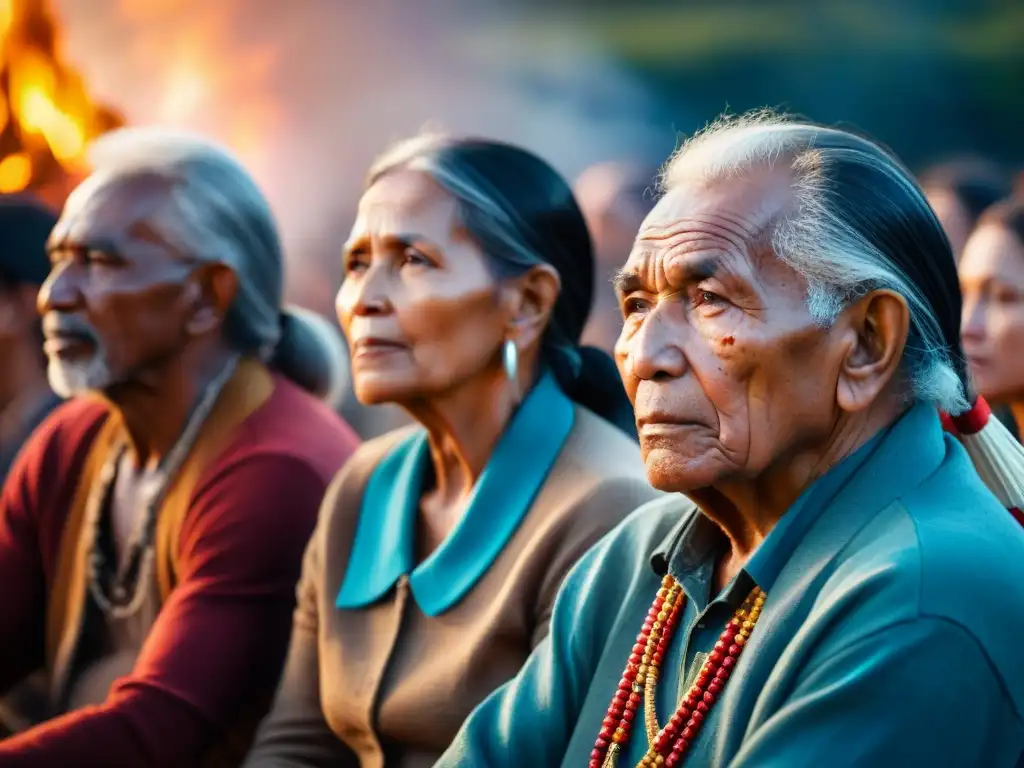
x=972, y=325
x=60, y=292
x=653, y=352
x=364, y=294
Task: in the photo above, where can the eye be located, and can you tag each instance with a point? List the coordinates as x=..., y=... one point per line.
x=414, y=258
x=632, y=305
x=356, y=260
x=1007, y=296
x=708, y=302
x=93, y=256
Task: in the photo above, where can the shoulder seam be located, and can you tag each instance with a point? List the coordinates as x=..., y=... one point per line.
x=984, y=652
x=949, y=622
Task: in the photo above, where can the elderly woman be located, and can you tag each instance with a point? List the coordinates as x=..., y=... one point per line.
x=835, y=586
x=992, y=283
x=440, y=549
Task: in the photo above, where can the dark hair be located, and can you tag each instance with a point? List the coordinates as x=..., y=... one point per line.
x=879, y=197
x=522, y=212
x=25, y=225
x=976, y=183
x=859, y=222
x=311, y=354
x=1007, y=213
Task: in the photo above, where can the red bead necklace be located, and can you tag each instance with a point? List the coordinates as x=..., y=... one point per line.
x=669, y=745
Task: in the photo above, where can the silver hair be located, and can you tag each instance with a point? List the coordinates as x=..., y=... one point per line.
x=217, y=213
x=839, y=253
x=421, y=153
x=521, y=213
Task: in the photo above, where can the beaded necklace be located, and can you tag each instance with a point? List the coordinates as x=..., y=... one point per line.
x=668, y=745
x=123, y=596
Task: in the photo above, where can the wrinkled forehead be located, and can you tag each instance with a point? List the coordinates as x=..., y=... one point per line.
x=404, y=202
x=110, y=205
x=727, y=214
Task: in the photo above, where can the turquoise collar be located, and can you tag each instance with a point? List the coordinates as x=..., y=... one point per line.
x=384, y=545
x=899, y=457
x=768, y=560
x=896, y=458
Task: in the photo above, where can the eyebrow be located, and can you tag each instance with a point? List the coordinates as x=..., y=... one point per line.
x=102, y=244
x=390, y=238
x=626, y=281
x=396, y=238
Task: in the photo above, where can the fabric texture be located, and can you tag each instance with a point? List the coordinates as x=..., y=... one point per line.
x=384, y=547
x=389, y=684
x=886, y=638
x=231, y=556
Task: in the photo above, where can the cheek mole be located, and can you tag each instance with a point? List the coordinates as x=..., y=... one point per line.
x=728, y=341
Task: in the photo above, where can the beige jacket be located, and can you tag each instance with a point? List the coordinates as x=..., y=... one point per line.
x=389, y=684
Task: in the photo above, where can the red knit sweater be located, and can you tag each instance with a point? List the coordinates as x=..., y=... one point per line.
x=220, y=639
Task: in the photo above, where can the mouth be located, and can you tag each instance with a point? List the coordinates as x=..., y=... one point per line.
x=67, y=335
x=663, y=419
x=660, y=423
x=67, y=344
x=977, y=360
x=660, y=428
x=375, y=347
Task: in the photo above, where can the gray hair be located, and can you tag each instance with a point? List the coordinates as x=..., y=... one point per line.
x=521, y=213
x=859, y=223
x=216, y=213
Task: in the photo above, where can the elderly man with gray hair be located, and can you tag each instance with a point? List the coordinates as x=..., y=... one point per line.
x=152, y=531
x=830, y=582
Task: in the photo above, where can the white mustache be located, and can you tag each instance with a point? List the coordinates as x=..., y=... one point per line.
x=57, y=324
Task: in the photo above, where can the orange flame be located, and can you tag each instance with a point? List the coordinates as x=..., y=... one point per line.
x=46, y=116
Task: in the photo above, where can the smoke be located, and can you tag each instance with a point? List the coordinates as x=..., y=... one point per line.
x=308, y=92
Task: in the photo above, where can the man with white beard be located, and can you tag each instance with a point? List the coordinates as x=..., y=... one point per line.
x=152, y=530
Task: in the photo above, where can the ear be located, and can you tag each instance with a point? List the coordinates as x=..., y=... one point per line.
x=210, y=291
x=879, y=323
x=533, y=296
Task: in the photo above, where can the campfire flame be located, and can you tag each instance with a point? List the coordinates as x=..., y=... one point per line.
x=46, y=116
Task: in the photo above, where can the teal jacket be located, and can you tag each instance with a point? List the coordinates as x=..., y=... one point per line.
x=892, y=635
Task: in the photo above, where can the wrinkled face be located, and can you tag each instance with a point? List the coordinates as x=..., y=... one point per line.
x=992, y=283
x=953, y=217
x=116, y=303
x=726, y=368
x=421, y=312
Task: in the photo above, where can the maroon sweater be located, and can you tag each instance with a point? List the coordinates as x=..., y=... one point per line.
x=220, y=639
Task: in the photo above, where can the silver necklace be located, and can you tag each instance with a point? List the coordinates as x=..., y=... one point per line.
x=129, y=586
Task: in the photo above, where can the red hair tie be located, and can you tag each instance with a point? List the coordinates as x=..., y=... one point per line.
x=971, y=421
